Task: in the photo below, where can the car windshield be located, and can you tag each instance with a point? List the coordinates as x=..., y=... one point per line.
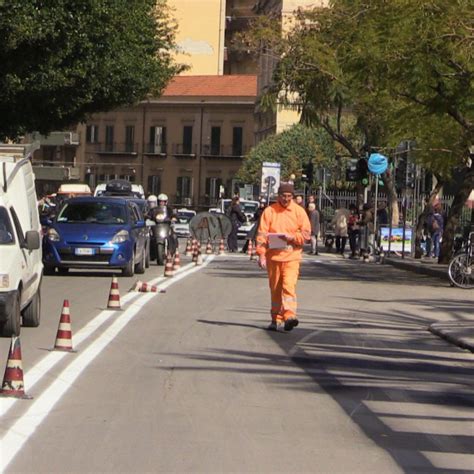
x=185, y=217
x=248, y=207
x=6, y=231
x=93, y=213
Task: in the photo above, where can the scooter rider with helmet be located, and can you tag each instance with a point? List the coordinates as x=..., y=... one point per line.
x=156, y=207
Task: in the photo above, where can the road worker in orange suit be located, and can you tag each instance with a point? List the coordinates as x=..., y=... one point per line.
x=284, y=227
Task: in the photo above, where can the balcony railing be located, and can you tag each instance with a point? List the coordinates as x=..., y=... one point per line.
x=184, y=150
x=156, y=149
x=224, y=151
x=114, y=148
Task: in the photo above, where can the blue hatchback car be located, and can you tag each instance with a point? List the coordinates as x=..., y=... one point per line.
x=96, y=232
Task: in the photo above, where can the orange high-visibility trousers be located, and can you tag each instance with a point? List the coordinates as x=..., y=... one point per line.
x=282, y=277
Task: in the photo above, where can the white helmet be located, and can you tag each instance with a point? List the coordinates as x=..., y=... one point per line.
x=162, y=197
x=152, y=198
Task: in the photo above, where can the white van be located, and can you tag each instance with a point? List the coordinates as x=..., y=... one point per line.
x=21, y=267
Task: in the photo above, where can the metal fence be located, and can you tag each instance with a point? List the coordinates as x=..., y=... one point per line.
x=330, y=201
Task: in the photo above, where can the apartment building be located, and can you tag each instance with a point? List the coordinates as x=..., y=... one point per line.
x=189, y=143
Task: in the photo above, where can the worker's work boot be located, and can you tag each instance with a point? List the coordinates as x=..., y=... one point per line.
x=275, y=326
x=291, y=323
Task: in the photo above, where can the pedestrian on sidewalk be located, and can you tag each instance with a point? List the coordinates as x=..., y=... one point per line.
x=313, y=215
x=436, y=227
x=340, y=229
x=237, y=218
x=284, y=228
x=353, y=230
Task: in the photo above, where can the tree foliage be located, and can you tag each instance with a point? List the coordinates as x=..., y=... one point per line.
x=293, y=149
x=62, y=61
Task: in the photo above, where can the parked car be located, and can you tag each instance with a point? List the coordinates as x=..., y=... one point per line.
x=20, y=242
x=96, y=233
x=181, y=226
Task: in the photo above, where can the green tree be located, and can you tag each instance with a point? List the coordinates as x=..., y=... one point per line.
x=61, y=61
x=421, y=54
x=293, y=149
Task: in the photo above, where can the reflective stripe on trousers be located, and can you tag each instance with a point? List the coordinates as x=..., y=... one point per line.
x=282, y=278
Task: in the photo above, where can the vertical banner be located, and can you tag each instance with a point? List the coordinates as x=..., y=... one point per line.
x=270, y=179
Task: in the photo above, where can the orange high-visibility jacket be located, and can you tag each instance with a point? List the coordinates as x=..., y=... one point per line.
x=291, y=220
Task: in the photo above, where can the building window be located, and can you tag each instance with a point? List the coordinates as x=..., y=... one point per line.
x=129, y=138
x=183, y=188
x=109, y=138
x=92, y=134
x=154, y=185
x=215, y=140
x=187, y=139
x=157, y=140
x=213, y=187
x=237, y=134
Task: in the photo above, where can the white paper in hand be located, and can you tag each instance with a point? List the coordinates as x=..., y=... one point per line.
x=277, y=241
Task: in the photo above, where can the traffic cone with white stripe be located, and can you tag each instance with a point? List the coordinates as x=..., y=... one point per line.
x=221, y=247
x=169, y=266
x=143, y=287
x=64, y=334
x=176, y=261
x=189, y=247
x=249, y=249
x=253, y=255
x=209, y=247
x=195, y=251
x=13, y=385
x=199, y=254
x=114, y=295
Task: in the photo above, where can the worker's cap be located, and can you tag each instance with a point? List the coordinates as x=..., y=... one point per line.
x=286, y=188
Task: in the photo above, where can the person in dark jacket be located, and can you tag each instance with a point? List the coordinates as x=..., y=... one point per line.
x=436, y=227
x=314, y=220
x=253, y=231
x=237, y=218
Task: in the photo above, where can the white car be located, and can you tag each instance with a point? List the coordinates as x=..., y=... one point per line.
x=137, y=190
x=248, y=208
x=181, y=226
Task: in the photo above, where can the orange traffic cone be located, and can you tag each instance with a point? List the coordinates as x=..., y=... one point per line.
x=221, y=247
x=114, y=295
x=12, y=385
x=253, y=255
x=176, y=261
x=199, y=255
x=189, y=247
x=249, y=249
x=143, y=287
x=64, y=334
x=169, y=266
x=209, y=247
x=195, y=251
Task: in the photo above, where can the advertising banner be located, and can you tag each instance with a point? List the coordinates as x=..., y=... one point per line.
x=270, y=178
x=396, y=239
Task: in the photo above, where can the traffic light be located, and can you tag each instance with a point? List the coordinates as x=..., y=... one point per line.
x=410, y=175
x=363, y=171
x=351, y=171
x=308, y=170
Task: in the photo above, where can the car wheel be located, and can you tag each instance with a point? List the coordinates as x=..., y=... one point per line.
x=32, y=313
x=140, y=266
x=128, y=271
x=12, y=325
x=48, y=270
x=63, y=271
x=160, y=259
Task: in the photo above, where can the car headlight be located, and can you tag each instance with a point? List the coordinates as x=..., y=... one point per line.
x=160, y=217
x=120, y=237
x=53, y=235
x=4, y=280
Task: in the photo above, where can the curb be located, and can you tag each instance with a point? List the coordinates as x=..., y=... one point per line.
x=446, y=333
x=418, y=268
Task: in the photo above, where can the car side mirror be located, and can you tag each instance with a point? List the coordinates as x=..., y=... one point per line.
x=32, y=240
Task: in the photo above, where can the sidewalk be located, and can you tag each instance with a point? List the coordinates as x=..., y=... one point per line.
x=459, y=333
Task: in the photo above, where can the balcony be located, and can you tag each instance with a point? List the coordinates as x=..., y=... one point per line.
x=57, y=138
x=224, y=151
x=184, y=150
x=114, y=148
x=156, y=150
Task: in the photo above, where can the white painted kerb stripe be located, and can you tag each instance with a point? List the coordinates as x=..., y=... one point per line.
x=20, y=432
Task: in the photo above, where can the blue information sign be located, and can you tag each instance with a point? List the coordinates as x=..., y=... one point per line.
x=377, y=163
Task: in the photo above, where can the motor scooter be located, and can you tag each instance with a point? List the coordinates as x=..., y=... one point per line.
x=163, y=239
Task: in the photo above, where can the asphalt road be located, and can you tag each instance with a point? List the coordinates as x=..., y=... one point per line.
x=190, y=381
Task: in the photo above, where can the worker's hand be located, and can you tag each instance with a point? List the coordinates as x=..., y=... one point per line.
x=262, y=262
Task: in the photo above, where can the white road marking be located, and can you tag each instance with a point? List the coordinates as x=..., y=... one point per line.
x=19, y=433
